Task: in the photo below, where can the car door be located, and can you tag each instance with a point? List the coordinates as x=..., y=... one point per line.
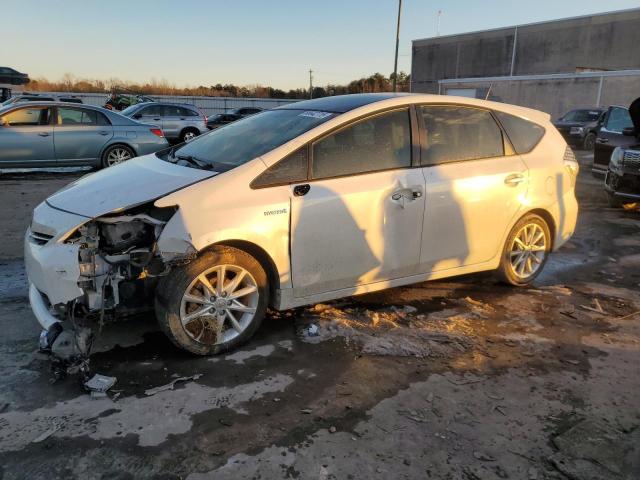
x=173, y=121
x=472, y=189
x=80, y=135
x=610, y=136
x=358, y=219
x=151, y=114
x=26, y=137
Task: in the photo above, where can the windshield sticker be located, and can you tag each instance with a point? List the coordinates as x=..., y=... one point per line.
x=315, y=114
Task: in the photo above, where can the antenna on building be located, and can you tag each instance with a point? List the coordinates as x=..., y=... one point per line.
x=438, y=24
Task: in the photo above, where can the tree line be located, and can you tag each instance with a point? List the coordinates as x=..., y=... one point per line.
x=68, y=83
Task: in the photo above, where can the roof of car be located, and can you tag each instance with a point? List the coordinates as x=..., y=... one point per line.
x=171, y=104
x=341, y=103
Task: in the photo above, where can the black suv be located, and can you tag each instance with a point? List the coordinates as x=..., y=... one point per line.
x=579, y=127
x=622, y=180
x=611, y=134
x=220, y=119
x=13, y=77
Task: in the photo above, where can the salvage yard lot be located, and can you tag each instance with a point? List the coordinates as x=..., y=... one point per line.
x=462, y=379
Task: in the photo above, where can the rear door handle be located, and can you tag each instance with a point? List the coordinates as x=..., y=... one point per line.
x=514, y=179
x=104, y=133
x=43, y=134
x=301, y=190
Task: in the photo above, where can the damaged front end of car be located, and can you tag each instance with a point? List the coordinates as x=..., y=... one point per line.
x=102, y=270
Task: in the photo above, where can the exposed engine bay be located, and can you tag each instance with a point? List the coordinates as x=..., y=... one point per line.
x=119, y=264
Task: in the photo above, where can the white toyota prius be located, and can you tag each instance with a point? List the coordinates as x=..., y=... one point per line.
x=305, y=203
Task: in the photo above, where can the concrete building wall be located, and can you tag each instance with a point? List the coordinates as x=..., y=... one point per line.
x=609, y=41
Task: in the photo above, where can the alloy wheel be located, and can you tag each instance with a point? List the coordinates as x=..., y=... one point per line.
x=219, y=304
x=118, y=155
x=188, y=136
x=528, y=250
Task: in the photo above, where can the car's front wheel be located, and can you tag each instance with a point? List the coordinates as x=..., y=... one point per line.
x=525, y=251
x=214, y=303
x=589, y=141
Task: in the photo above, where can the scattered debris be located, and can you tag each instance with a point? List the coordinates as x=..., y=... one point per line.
x=332, y=429
x=313, y=329
x=306, y=411
x=169, y=386
x=99, y=384
x=485, y=457
x=42, y=437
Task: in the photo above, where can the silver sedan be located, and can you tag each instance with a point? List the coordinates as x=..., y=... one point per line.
x=44, y=134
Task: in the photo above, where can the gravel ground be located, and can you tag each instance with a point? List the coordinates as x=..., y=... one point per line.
x=456, y=379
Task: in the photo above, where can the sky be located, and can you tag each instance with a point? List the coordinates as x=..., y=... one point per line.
x=246, y=42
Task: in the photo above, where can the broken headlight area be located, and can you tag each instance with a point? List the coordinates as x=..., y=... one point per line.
x=119, y=265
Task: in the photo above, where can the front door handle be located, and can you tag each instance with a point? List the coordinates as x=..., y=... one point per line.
x=43, y=134
x=405, y=195
x=301, y=190
x=514, y=179
x=602, y=140
x=156, y=119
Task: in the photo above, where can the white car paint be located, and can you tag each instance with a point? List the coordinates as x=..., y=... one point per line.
x=348, y=236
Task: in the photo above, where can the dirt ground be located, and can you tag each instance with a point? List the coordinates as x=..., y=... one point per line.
x=457, y=379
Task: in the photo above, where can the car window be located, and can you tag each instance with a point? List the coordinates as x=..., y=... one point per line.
x=291, y=169
x=172, y=111
x=152, y=110
x=26, y=117
x=523, y=134
x=77, y=116
x=455, y=133
x=185, y=112
x=581, y=116
x=238, y=142
x=618, y=120
x=379, y=143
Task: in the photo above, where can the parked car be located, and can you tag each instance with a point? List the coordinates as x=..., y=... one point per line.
x=40, y=134
x=304, y=203
x=611, y=135
x=180, y=122
x=13, y=77
x=579, y=127
x=622, y=181
x=36, y=97
x=220, y=119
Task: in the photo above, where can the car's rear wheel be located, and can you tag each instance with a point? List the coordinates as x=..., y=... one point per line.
x=589, y=141
x=116, y=154
x=189, y=134
x=526, y=250
x=215, y=303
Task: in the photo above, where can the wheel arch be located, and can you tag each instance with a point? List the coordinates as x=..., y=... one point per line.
x=261, y=255
x=547, y=217
x=117, y=143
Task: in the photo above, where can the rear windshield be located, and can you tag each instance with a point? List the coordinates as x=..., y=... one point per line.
x=248, y=138
x=581, y=116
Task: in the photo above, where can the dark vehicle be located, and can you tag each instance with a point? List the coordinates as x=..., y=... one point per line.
x=35, y=97
x=13, y=77
x=120, y=101
x=220, y=119
x=622, y=181
x=579, y=127
x=179, y=121
x=611, y=135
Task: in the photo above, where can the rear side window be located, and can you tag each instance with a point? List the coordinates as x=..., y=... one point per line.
x=187, y=112
x=379, y=143
x=76, y=116
x=291, y=169
x=454, y=133
x=524, y=135
x=152, y=110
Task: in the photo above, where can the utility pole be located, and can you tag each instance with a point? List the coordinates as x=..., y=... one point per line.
x=438, y=26
x=395, y=63
x=310, y=83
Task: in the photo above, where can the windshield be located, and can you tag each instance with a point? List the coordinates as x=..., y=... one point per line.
x=129, y=110
x=246, y=139
x=582, y=116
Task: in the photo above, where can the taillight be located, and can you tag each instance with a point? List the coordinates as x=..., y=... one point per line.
x=157, y=132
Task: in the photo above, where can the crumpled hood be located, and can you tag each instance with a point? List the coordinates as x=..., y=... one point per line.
x=131, y=183
x=634, y=112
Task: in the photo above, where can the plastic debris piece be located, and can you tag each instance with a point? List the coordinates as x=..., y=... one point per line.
x=100, y=383
x=42, y=437
x=313, y=330
x=169, y=386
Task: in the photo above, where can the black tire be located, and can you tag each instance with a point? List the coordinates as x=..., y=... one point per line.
x=506, y=270
x=170, y=291
x=107, y=160
x=188, y=134
x=589, y=141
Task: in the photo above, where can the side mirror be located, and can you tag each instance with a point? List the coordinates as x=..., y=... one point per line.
x=629, y=131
